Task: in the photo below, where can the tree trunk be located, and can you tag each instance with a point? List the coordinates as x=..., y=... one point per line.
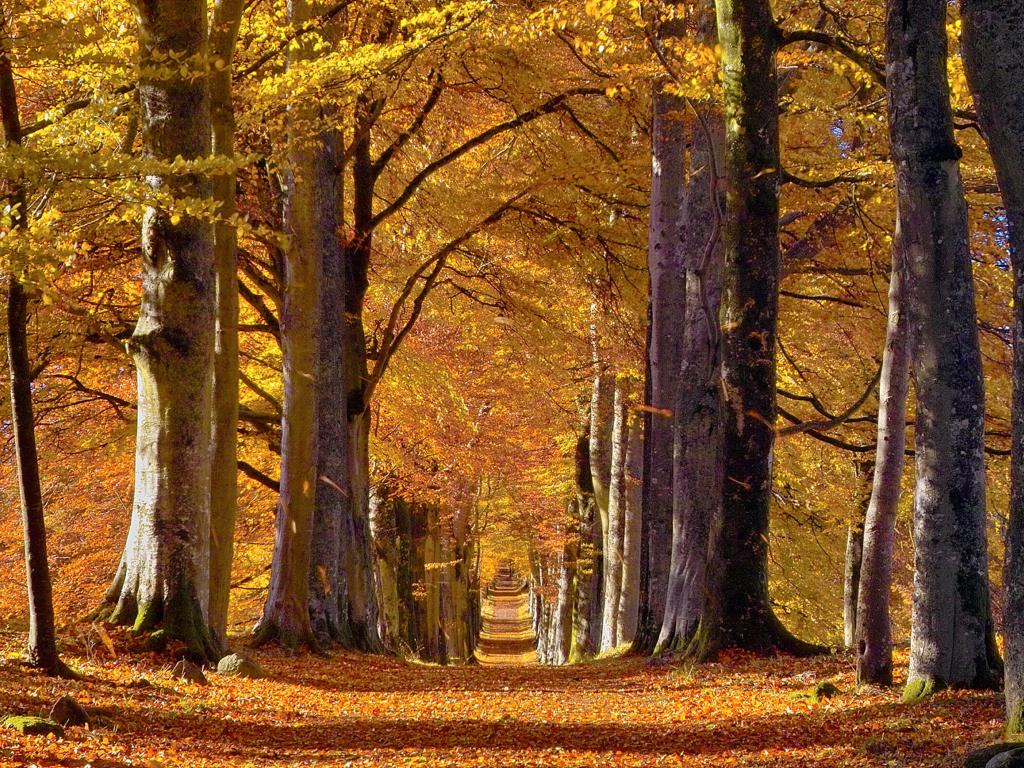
x=874, y=631
x=387, y=546
x=310, y=207
x=951, y=638
x=993, y=59
x=612, y=591
x=587, y=573
x=561, y=634
x=332, y=530
x=163, y=579
x=697, y=473
x=664, y=345
x=227, y=15
x=750, y=318
x=42, y=635
x=855, y=553
x=629, y=599
x=358, y=560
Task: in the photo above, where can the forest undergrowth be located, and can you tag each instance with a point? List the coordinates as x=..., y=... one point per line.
x=352, y=710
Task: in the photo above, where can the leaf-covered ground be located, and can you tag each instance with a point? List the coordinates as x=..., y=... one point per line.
x=352, y=710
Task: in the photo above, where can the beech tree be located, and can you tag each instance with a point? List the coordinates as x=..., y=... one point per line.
x=992, y=33
x=162, y=582
x=42, y=634
x=952, y=638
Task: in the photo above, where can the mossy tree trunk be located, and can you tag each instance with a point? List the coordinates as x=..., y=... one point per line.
x=163, y=579
x=994, y=62
x=952, y=643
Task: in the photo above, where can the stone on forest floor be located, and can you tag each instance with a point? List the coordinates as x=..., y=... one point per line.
x=28, y=725
x=823, y=690
x=986, y=756
x=237, y=665
x=1013, y=758
x=69, y=712
x=189, y=672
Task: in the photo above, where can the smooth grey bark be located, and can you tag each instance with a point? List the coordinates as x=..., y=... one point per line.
x=163, y=579
x=951, y=633
x=42, y=634
x=994, y=63
x=227, y=16
x=612, y=590
x=855, y=552
x=629, y=599
x=286, y=613
x=874, y=630
x=665, y=337
x=697, y=473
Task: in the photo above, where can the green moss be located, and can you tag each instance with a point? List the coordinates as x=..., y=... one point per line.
x=817, y=694
x=27, y=725
x=920, y=688
x=1015, y=722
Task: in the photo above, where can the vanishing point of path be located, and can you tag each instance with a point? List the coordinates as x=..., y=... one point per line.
x=358, y=711
x=506, y=632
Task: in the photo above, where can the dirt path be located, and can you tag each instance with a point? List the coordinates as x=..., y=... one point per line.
x=506, y=634
x=352, y=710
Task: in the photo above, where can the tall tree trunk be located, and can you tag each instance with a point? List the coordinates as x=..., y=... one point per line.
x=951, y=637
x=387, y=546
x=994, y=61
x=629, y=599
x=855, y=552
x=310, y=204
x=750, y=318
x=358, y=560
x=697, y=473
x=664, y=345
x=561, y=644
x=612, y=591
x=332, y=532
x=227, y=16
x=42, y=635
x=587, y=573
x=163, y=579
x=874, y=630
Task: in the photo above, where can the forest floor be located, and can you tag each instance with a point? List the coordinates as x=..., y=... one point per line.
x=353, y=710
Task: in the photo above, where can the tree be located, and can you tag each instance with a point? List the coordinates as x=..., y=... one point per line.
x=227, y=16
x=697, y=423
x=42, y=635
x=311, y=211
x=992, y=31
x=162, y=581
x=665, y=268
x=952, y=639
x=750, y=318
x=613, y=551
x=873, y=635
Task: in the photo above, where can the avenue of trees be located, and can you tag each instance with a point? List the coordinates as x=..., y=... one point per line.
x=562, y=279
